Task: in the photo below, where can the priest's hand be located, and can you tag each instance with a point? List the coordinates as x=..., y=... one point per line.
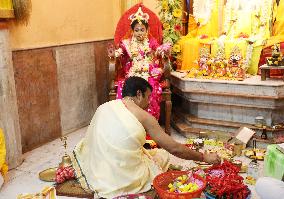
x=211, y=158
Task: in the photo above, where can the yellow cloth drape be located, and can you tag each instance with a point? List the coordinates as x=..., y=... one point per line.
x=3, y=165
x=242, y=44
x=278, y=25
x=191, y=43
x=111, y=159
x=253, y=21
x=126, y=4
x=249, y=22
x=6, y=9
x=190, y=51
x=6, y=4
x=211, y=29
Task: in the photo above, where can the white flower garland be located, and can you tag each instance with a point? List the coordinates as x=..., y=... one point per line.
x=202, y=9
x=263, y=8
x=265, y=19
x=248, y=56
x=168, y=17
x=230, y=15
x=140, y=63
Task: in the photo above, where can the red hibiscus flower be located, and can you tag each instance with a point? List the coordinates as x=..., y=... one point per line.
x=177, y=27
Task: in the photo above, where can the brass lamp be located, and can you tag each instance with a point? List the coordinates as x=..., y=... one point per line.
x=66, y=160
x=49, y=175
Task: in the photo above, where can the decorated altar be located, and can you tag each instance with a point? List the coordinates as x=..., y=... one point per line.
x=232, y=31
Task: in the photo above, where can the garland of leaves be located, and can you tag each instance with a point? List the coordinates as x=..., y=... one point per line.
x=171, y=17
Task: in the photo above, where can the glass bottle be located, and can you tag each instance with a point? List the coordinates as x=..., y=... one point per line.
x=253, y=169
x=253, y=165
x=264, y=134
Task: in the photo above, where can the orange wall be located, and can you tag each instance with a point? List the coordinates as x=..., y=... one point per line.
x=151, y=4
x=55, y=22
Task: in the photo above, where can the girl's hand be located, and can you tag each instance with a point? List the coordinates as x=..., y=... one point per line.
x=164, y=50
x=110, y=50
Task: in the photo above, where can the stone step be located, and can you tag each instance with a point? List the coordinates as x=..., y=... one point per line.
x=230, y=100
x=226, y=126
x=187, y=128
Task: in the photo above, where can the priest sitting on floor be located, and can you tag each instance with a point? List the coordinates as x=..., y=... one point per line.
x=111, y=160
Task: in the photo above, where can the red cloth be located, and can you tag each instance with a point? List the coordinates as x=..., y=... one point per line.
x=267, y=52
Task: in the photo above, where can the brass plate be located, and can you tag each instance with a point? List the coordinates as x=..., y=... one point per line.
x=203, y=165
x=48, y=175
x=249, y=153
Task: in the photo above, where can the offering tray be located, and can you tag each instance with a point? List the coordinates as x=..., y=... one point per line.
x=48, y=175
x=255, y=153
x=203, y=165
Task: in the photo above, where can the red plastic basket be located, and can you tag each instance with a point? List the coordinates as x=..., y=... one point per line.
x=162, y=181
x=132, y=196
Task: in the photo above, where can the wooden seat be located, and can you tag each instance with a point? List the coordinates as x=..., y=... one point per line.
x=265, y=71
x=114, y=66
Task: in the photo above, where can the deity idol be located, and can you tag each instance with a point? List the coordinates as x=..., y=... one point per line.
x=236, y=64
x=202, y=27
x=204, y=61
x=219, y=64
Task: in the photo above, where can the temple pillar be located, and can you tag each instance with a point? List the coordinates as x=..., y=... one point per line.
x=9, y=118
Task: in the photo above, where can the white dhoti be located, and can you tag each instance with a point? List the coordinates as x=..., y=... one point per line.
x=270, y=188
x=111, y=160
x=1, y=180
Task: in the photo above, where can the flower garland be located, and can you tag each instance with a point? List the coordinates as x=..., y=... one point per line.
x=230, y=16
x=64, y=173
x=139, y=53
x=262, y=10
x=266, y=17
x=262, y=16
x=223, y=181
x=248, y=55
x=202, y=10
x=171, y=17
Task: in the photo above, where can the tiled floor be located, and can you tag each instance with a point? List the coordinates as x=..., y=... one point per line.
x=24, y=179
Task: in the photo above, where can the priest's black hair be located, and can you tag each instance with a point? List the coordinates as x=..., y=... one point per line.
x=134, y=84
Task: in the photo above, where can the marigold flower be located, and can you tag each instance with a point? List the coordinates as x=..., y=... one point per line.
x=177, y=13
x=165, y=5
x=166, y=26
x=176, y=48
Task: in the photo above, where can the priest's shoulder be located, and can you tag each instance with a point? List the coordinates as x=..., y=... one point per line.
x=111, y=102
